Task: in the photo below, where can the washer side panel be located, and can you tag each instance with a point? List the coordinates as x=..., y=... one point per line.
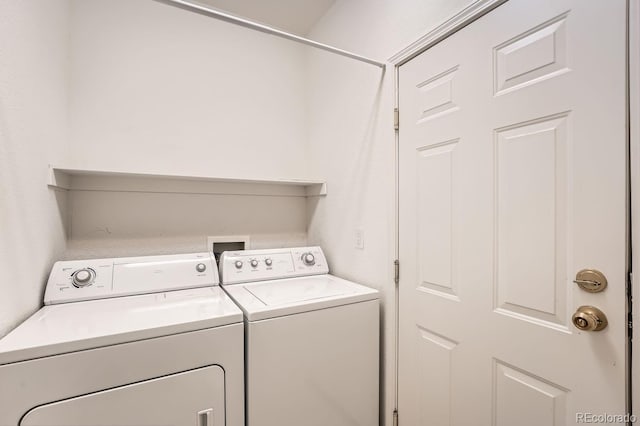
x=316, y=368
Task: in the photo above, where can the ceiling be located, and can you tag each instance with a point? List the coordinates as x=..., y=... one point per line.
x=295, y=16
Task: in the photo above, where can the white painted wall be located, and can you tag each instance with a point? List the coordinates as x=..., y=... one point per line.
x=351, y=144
x=158, y=89
x=143, y=87
x=33, y=133
x=108, y=224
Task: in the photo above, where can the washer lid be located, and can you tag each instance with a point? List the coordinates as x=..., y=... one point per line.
x=270, y=299
x=71, y=327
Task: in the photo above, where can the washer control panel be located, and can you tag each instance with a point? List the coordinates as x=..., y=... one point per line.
x=76, y=280
x=270, y=264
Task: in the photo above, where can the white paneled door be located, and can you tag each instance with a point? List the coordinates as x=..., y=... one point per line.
x=512, y=179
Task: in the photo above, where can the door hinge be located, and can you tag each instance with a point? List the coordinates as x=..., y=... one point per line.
x=396, y=271
x=396, y=119
x=395, y=417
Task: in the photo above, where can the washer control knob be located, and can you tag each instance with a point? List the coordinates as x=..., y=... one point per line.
x=268, y=261
x=201, y=267
x=308, y=259
x=238, y=264
x=82, y=277
x=254, y=263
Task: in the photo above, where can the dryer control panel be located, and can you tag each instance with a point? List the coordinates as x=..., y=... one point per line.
x=271, y=264
x=76, y=280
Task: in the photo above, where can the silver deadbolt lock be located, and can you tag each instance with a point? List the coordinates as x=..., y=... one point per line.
x=591, y=280
x=589, y=318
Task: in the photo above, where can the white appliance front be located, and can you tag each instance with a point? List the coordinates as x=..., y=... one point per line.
x=312, y=339
x=193, y=397
x=136, y=354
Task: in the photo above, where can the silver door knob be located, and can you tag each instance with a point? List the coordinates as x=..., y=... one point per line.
x=589, y=318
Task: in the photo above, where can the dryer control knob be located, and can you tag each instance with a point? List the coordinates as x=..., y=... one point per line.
x=268, y=261
x=308, y=259
x=201, y=267
x=254, y=263
x=238, y=264
x=83, y=277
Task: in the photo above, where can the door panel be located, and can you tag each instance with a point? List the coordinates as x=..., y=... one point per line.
x=531, y=188
x=512, y=179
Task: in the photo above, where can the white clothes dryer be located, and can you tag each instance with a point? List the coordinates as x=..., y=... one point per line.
x=312, y=339
x=142, y=340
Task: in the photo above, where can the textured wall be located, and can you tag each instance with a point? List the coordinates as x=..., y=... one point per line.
x=33, y=133
x=157, y=88
x=106, y=224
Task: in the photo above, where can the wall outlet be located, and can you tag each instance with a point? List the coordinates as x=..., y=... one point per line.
x=359, y=238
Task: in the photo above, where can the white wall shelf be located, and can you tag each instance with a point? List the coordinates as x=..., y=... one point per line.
x=111, y=180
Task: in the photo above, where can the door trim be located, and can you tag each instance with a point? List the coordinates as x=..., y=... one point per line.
x=634, y=170
x=453, y=24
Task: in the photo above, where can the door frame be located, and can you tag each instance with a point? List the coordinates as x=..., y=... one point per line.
x=633, y=86
x=455, y=23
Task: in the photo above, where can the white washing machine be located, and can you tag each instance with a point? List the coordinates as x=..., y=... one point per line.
x=128, y=341
x=312, y=339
